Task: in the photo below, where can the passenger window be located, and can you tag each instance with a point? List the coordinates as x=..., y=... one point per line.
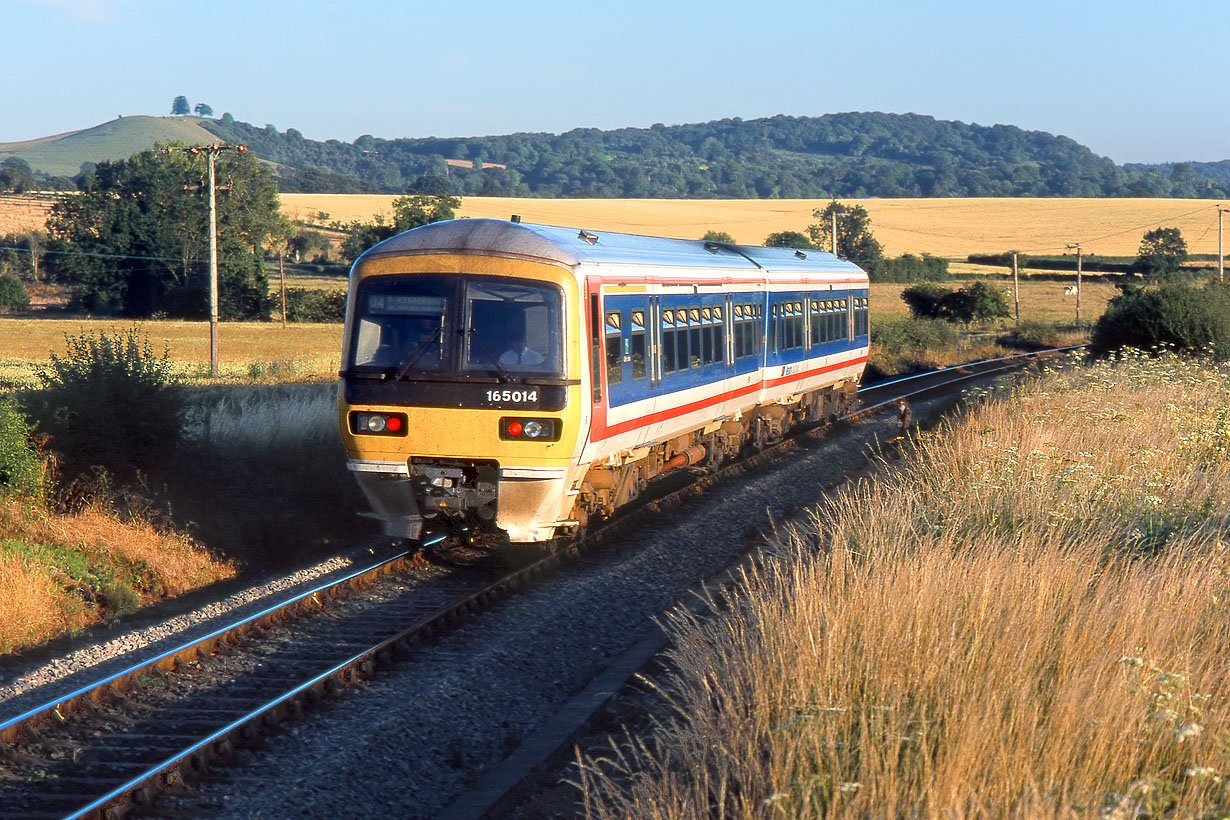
x=638, y=345
x=668, y=341
x=681, y=338
x=614, y=348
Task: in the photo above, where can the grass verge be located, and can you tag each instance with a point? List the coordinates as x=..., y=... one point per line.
x=268, y=484
x=59, y=574
x=1026, y=617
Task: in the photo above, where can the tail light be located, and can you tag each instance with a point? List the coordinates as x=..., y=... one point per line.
x=378, y=424
x=518, y=429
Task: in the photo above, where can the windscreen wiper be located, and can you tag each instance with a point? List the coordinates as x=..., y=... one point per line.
x=404, y=369
x=505, y=376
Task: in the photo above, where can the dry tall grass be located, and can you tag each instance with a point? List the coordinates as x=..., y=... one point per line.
x=1027, y=617
x=59, y=573
x=269, y=481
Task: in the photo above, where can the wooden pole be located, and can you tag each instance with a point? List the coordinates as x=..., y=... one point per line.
x=1016, y=290
x=210, y=154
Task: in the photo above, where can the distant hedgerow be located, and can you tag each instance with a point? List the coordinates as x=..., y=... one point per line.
x=304, y=305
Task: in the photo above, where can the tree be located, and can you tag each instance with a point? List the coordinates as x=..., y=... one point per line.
x=203, y=110
x=408, y=212
x=788, y=239
x=16, y=176
x=180, y=107
x=138, y=244
x=854, y=238
x=1162, y=251
x=718, y=236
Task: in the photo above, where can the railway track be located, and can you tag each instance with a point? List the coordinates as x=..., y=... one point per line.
x=109, y=748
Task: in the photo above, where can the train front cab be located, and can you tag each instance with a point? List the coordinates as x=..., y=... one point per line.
x=461, y=391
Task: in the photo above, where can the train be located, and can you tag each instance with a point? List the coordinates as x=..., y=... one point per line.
x=530, y=380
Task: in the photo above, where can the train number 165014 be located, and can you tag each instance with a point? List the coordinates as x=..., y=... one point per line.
x=515, y=396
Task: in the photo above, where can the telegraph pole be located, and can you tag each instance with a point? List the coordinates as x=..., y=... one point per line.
x=1016, y=290
x=211, y=153
x=834, y=229
x=1221, y=265
x=1078, y=284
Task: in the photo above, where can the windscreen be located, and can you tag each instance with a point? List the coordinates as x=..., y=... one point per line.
x=461, y=325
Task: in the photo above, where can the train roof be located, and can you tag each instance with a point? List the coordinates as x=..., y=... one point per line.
x=573, y=248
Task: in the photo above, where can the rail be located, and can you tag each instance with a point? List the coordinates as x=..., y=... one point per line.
x=164, y=774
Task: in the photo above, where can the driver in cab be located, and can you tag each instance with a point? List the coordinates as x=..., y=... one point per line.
x=520, y=356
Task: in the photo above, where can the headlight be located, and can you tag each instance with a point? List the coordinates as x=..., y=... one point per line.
x=380, y=424
x=514, y=429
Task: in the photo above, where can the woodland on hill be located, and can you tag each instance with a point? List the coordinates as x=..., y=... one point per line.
x=837, y=155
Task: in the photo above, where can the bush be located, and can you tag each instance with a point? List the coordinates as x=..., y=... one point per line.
x=901, y=336
x=109, y=401
x=978, y=301
x=1031, y=336
x=23, y=469
x=304, y=305
x=788, y=239
x=925, y=301
x=13, y=294
x=909, y=268
x=1175, y=316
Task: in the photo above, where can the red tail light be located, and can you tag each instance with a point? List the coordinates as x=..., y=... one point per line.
x=378, y=424
x=530, y=429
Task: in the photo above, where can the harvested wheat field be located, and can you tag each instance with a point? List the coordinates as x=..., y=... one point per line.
x=23, y=212
x=247, y=351
x=952, y=228
x=945, y=227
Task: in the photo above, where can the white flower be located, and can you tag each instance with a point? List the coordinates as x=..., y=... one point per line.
x=850, y=787
x=1203, y=771
x=1188, y=730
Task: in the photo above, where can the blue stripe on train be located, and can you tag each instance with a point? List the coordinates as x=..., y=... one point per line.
x=634, y=384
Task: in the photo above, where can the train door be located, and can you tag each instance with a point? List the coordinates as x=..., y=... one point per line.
x=628, y=347
x=597, y=358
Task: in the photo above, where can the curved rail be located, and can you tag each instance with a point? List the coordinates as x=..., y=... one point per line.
x=142, y=787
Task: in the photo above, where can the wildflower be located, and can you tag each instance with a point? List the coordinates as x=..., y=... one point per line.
x=850, y=787
x=1188, y=730
x=1202, y=772
x=774, y=798
x=1132, y=661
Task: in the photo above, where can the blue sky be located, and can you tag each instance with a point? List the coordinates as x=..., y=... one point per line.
x=1135, y=81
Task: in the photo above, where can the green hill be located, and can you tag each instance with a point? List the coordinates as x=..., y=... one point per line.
x=859, y=154
x=64, y=154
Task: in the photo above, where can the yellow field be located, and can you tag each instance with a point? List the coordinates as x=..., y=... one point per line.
x=944, y=227
x=1040, y=301
x=246, y=350
x=250, y=350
